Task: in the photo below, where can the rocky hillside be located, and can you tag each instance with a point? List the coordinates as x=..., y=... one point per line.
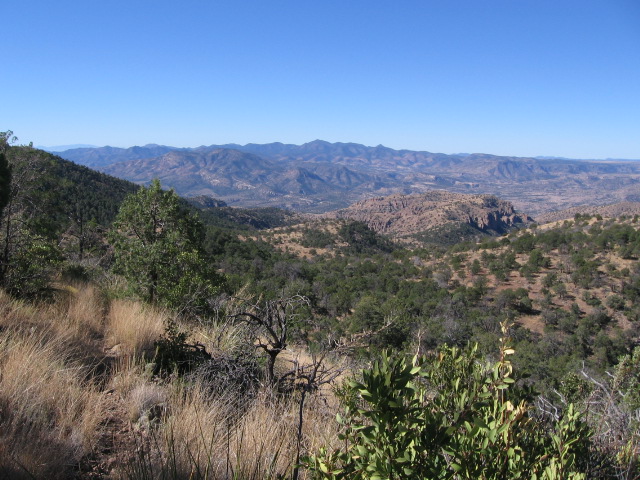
x=219, y=172
x=611, y=211
x=406, y=215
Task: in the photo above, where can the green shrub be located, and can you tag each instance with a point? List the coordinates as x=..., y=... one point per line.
x=449, y=416
x=616, y=302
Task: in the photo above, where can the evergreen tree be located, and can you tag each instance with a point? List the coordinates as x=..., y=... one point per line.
x=158, y=248
x=5, y=171
x=28, y=250
x=5, y=182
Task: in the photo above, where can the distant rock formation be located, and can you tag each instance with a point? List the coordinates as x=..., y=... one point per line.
x=402, y=215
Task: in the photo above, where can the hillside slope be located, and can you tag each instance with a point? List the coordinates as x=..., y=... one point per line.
x=61, y=190
x=613, y=210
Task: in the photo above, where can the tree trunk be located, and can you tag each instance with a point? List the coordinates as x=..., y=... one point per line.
x=271, y=362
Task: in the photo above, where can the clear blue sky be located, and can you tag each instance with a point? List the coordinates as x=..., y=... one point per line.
x=509, y=77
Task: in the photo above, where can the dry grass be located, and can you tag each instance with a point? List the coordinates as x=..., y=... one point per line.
x=68, y=408
x=18, y=315
x=194, y=435
x=48, y=412
x=217, y=437
x=133, y=327
x=76, y=316
x=219, y=336
x=145, y=398
x=266, y=434
x=85, y=309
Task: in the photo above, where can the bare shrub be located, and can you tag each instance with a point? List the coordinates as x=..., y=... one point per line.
x=229, y=373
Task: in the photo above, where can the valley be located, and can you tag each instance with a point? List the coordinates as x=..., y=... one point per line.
x=152, y=316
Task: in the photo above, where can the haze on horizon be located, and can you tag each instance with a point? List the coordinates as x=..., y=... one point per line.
x=527, y=78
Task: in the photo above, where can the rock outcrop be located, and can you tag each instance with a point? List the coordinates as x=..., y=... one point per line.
x=402, y=215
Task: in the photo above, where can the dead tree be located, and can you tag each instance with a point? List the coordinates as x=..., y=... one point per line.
x=308, y=379
x=270, y=321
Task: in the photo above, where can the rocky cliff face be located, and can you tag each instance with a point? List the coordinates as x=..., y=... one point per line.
x=402, y=215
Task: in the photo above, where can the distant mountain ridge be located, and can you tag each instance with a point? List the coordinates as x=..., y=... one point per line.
x=320, y=176
x=102, y=156
x=63, y=148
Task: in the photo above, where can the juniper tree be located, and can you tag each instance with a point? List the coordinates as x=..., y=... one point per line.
x=158, y=249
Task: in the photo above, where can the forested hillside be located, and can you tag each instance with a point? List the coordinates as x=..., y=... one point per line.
x=55, y=210
x=143, y=336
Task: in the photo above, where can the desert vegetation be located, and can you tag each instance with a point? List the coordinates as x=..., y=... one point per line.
x=79, y=397
x=144, y=337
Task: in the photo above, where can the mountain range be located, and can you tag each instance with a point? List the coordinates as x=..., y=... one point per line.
x=62, y=148
x=320, y=176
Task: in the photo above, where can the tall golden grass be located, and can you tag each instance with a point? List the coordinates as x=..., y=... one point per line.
x=49, y=413
x=134, y=327
x=211, y=438
x=77, y=399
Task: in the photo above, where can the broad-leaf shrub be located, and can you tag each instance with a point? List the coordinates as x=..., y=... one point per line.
x=449, y=416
